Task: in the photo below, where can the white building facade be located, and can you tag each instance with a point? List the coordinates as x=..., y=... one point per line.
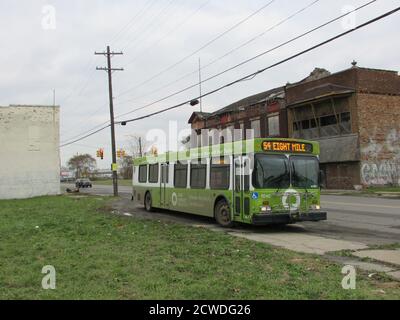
x=29, y=151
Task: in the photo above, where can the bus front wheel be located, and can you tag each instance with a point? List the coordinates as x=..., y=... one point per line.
x=223, y=214
x=148, y=205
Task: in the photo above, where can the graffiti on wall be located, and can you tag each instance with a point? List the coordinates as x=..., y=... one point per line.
x=381, y=160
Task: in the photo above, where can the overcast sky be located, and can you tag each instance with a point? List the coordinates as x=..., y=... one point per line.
x=50, y=45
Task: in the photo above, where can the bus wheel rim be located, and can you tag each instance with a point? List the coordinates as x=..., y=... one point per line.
x=224, y=214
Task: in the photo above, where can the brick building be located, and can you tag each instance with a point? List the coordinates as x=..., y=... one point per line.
x=354, y=114
x=263, y=113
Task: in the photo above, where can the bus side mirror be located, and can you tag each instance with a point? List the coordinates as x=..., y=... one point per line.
x=322, y=179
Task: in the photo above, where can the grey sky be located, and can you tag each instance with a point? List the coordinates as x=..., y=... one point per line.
x=35, y=59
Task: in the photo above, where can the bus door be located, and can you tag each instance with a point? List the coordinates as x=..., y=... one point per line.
x=241, y=186
x=163, y=185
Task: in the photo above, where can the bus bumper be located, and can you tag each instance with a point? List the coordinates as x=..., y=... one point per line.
x=287, y=218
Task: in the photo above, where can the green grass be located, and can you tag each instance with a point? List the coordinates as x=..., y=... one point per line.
x=109, y=182
x=382, y=189
x=98, y=255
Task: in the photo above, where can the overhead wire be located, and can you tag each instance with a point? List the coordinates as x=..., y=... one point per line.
x=252, y=75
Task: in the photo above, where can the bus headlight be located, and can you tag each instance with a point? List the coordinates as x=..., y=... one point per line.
x=315, y=207
x=265, y=209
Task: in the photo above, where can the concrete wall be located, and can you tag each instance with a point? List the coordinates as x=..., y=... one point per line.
x=29, y=151
x=379, y=121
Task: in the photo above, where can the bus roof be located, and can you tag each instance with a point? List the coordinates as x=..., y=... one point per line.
x=267, y=145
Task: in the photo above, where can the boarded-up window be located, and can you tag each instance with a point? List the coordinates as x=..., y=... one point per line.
x=273, y=126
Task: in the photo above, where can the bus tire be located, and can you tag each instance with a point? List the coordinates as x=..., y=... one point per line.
x=148, y=202
x=222, y=214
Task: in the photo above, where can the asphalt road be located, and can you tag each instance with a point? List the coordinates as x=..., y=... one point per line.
x=367, y=220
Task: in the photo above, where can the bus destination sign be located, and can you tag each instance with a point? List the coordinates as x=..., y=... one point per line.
x=285, y=146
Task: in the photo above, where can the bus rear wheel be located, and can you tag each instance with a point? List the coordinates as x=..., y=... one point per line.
x=223, y=214
x=148, y=203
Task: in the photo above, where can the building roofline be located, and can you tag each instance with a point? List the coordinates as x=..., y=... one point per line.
x=291, y=85
x=30, y=106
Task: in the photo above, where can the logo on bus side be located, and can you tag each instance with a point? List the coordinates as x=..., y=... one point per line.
x=174, y=199
x=287, y=197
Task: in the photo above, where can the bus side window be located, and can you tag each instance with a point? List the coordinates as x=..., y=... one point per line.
x=198, y=175
x=220, y=171
x=180, y=175
x=143, y=174
x=153, y=173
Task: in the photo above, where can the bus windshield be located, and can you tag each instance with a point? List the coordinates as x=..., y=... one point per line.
x=271, y=171
x=305, y=172
x=277, y=171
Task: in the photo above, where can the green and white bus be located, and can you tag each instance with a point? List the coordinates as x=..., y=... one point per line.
x=260, y=182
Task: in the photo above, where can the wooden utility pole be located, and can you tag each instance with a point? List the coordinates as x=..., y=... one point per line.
x=110, y=70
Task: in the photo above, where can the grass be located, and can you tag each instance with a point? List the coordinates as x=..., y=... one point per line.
x=109, y=182
x=98, y=255
x=382, y=189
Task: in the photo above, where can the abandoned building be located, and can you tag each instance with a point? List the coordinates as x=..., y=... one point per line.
x=354, y=114
x=263, y=114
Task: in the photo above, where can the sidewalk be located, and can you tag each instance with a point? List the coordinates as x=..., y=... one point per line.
x=362, y=193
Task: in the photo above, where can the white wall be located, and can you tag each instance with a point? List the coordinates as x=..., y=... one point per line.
x=29, y=151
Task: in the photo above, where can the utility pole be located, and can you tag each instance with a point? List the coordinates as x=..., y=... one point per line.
x=201, y=102
x=140, y=147
x=110, y=70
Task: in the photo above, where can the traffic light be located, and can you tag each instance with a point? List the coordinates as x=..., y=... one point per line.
x=100, y=153
x=121, y=153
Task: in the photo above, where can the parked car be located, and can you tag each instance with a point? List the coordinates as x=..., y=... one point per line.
x=83, y=183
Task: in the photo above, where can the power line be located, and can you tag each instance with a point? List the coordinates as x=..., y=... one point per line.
x=240, y=64
x=167, y=34
x=199, y=49
x=228, y=53
x=85, y=136
x=134, y=20
x=248, y=60
x=250, y=75
x=81, y=86
x=158, y=20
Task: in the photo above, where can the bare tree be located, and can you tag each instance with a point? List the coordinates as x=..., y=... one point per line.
x=126, y=167
x=138, y=146
x=82, y=164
